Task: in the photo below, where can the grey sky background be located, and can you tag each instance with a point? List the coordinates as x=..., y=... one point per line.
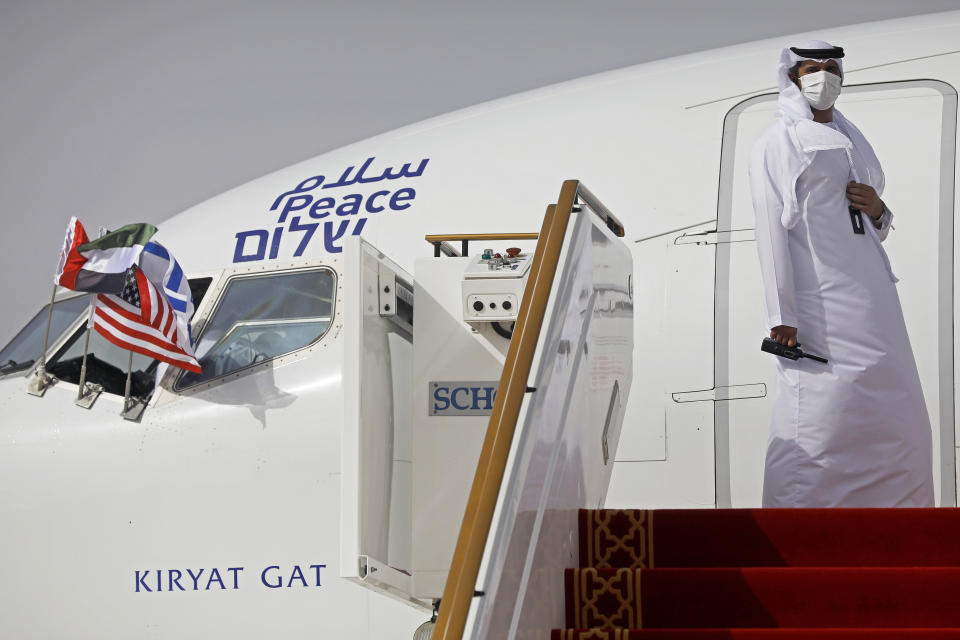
x=121, y=111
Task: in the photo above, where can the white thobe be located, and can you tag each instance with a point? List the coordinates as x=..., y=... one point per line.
x=853, y=432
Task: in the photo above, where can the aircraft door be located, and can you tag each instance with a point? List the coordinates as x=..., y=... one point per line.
x=376, y=448
x=912, y=127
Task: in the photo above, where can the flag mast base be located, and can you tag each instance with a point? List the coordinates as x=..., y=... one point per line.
x=40, y=381
x=89, y=393
x=133, y=409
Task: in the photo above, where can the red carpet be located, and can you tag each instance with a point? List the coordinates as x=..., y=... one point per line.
x=785, y=573
x=755, y=634
x=770, y=538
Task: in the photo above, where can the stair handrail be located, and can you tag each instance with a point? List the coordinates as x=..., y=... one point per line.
x=441, y=242
x=458, y=591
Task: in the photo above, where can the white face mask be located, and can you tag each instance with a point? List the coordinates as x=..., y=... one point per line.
x=821, y=89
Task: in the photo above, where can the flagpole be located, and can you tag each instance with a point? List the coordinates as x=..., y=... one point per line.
x=39, y=383
x=126, y=392
x=86, y=347
x=81, y=390
x=46, y=337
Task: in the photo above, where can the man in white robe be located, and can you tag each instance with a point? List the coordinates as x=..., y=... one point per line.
x=853, y=432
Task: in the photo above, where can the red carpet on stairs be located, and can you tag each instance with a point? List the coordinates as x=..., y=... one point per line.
x=755, y=634
x=775, y=573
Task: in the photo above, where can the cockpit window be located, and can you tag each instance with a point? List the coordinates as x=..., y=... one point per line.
x=27, y=346
x=262, y=317
x=106, y=365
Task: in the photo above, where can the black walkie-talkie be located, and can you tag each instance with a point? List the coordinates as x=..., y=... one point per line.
x=856, y=218
x=791, y=353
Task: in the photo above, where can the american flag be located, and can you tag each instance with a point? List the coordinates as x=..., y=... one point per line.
x=140, y=319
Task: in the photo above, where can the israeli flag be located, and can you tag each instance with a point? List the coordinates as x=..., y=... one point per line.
x=163, y=270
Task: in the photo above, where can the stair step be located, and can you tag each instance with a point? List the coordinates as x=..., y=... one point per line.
x=753, y=634
x=796, y=597
x=630, y=538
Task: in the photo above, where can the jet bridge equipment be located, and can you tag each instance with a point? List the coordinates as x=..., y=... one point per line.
x=419, y=395
x=493, y=284
x=462, y=331
x=552, y=323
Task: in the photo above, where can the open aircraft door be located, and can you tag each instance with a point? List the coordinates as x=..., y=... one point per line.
x=912, y=126
x=376, y=447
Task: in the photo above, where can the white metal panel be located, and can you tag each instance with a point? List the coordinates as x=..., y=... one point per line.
x=445, y=448
x=376, y=448
x=351, y=461
x=666, y=449
x=400, y=542
x=581, y=379
x=685, y=480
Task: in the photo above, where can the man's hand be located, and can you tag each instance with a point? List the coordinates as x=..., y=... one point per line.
x=863, y=197
x=784, y=335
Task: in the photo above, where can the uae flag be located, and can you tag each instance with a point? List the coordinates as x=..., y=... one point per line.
x=99, y=266
x=139, y=318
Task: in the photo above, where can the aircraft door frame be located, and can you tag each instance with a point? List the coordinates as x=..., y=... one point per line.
x=376, y=448
x=945, y=269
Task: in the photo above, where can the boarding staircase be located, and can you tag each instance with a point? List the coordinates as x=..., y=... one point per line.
x=765, y=573
x=534, y=559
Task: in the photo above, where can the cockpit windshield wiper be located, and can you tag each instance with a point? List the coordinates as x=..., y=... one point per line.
x=11, y=366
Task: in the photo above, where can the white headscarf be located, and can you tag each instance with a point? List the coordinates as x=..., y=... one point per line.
x=802, y=137
x=793, y=106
